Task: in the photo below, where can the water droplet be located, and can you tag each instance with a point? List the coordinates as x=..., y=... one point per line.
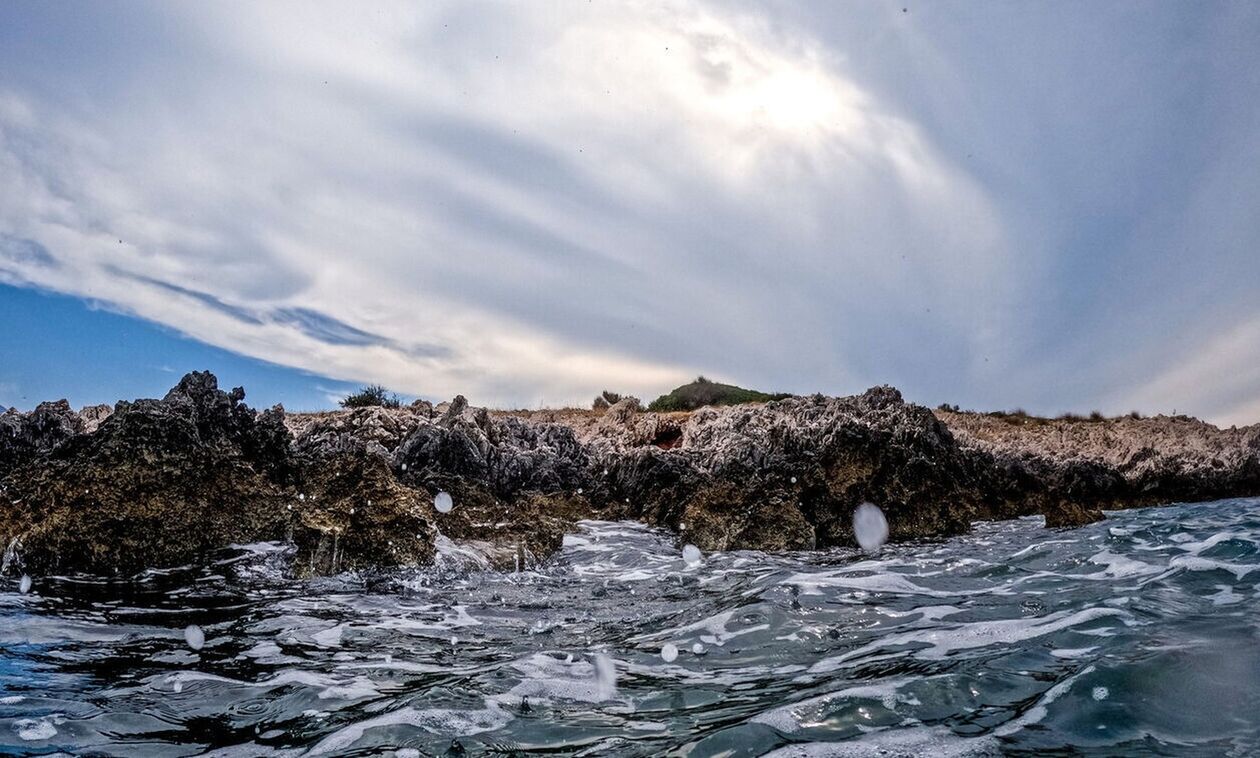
x=870, y=527
x=579, y=490
x=669, y=652
x=793, y=480
x=351, y=511
x=692, y=555
x=302, y=496
x=605, y=677
x=195, y=638
x=24, y=586
x=697, y=649
x=443, y=502
x=1101, y=693
x=404, y=467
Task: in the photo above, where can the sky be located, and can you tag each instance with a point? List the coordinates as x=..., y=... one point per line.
x=1050, y=206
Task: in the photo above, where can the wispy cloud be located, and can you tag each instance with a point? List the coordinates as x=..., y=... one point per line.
x=529, y=203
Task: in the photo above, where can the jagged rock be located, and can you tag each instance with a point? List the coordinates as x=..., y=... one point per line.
x=25, y=436
x=375, y=430
x=93, y=415
x=161, y=482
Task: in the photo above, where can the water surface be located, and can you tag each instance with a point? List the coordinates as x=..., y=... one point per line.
x=1136, y=636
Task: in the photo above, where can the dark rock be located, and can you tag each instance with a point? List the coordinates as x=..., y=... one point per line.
x=161, y=482
x=25, y=436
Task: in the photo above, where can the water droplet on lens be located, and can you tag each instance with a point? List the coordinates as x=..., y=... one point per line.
x=870, y=527
x=24, y=586
x=793, y=480
x=669, y=652
x=692, y=555
x=195, y=638
x=605, y=677
x=1101, y=693
x=443, y=502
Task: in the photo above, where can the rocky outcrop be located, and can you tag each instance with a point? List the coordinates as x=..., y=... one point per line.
x=162, y=482
x=1088, y=464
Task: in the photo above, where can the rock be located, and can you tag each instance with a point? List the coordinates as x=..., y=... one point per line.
x=159, y=483
x=355, y=516
x=25, y=436
x=163, y=482
x=375, y=430
x=93, y=415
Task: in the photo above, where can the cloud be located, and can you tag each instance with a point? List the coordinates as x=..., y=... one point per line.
x=524, y=206
x=528, y=204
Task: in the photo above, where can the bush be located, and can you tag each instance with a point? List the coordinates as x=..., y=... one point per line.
x=703, y=392
x=371, y=395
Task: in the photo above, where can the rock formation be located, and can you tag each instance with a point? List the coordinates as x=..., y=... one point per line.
x=157, y=483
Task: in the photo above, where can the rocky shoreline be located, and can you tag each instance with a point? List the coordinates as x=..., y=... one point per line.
x=159, y=483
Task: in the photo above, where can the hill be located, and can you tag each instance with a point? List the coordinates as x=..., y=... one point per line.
x=703, y=392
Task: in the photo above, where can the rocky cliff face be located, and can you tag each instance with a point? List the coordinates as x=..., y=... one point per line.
x=162, y=482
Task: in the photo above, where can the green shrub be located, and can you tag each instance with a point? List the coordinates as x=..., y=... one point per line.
x=704, y=392
x=371, y=395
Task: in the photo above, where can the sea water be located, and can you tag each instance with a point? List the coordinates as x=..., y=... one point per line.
x=1139, y=635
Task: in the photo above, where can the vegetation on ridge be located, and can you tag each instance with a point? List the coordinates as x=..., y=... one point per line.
x=371, y=395
x=704, y=392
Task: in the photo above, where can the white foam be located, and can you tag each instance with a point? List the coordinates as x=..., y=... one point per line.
x=1120, y=567
x=441, y=721
x=329, y=688
x=943, y=642
x=34, y=730
x=583, y=681
x=802, y=715
x=1040, y=545
x=936, y=741
x=1195, y=563
x=1073, y=652
x=1195, y=548
x=896, y=584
